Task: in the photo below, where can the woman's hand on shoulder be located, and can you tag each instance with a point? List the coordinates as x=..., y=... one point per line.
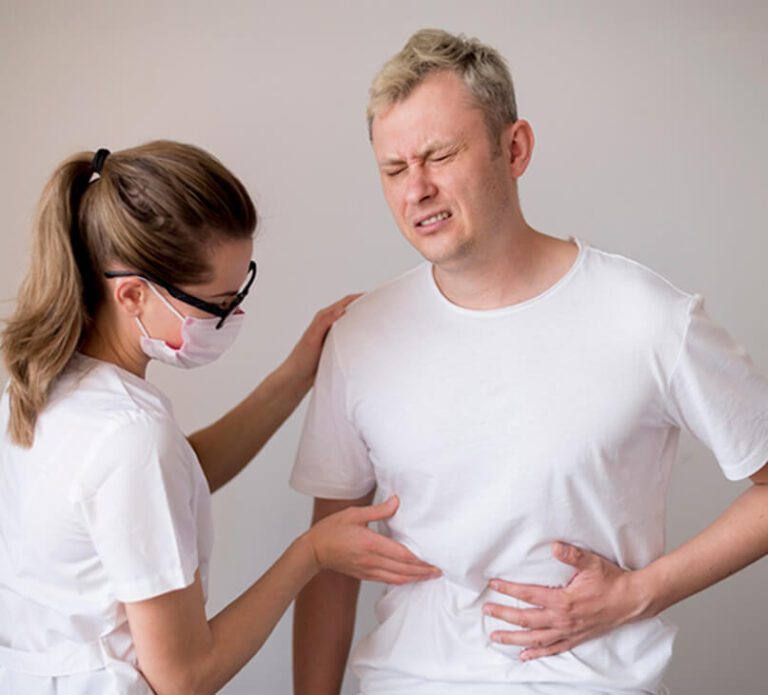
x=302, y=363
x=344, y=543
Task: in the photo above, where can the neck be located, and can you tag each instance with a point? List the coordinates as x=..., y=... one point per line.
x=104, y=343
x=521, y=265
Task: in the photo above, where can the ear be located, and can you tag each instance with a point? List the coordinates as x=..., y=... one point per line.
x=517, y=143
x=130, y=295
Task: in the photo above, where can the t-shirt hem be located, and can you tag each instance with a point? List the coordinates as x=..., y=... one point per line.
x=170, y=579
x=313, y=488
x=749, y=466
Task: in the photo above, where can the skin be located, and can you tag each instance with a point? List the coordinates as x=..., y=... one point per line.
x=179, y=649
x=435, y=155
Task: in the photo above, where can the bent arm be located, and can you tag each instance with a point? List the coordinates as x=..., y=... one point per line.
x=324, y=620
x=736, y=539
x=225, y=447
x=601, y=596
x=180, y=651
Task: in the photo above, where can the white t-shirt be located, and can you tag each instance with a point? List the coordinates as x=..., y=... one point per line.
x=109, y=505
x=504, y=430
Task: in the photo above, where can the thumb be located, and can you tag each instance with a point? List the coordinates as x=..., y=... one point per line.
x=571, y=555
x=381, y=511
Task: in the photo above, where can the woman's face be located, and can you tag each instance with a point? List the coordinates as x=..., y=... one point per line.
x=229, y=262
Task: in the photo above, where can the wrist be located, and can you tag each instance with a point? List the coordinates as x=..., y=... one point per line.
x=647, y=586
x=305, y=546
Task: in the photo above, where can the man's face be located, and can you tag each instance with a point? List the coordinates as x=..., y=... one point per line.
x=449, y=192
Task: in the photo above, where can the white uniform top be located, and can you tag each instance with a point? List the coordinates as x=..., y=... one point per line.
x=109, y=505
x=504, y=430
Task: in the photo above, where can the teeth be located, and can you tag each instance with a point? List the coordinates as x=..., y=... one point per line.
x=435, y=218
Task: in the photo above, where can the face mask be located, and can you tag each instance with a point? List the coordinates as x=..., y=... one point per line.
x=201, y=341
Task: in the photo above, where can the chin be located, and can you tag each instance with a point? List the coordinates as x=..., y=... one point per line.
x=443, y=255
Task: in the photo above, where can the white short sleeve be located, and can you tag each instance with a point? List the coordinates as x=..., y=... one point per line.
x=142, y=514
x=332, y=460
x=717, y=394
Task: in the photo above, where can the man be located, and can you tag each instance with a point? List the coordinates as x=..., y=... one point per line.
x=523, y=395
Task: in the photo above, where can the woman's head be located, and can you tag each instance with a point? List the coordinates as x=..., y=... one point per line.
x=164, y=210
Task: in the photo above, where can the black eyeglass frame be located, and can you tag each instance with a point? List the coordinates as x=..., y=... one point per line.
x=208, y=307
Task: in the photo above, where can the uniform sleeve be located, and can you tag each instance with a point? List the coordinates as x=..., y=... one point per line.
x=718, y=395
x=141, y=515
x=332, y=459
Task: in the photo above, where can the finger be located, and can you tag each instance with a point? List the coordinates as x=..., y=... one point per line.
x=551, y=650
x=346, y=301
x=386, y=564
x=378, y=512
x=575, y=557
x=530, y=593
x=539, y=639
x=528, y=618
x=391, y=577
x=338, y=308
x=385, y=547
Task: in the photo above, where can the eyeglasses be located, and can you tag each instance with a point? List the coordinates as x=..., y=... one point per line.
x=208, y=307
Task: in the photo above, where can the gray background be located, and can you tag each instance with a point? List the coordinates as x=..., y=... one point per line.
x=650, y=121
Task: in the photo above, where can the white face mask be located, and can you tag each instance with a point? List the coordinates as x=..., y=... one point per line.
x=201, y=341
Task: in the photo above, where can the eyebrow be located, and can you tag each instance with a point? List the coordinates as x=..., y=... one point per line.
x=429, y=149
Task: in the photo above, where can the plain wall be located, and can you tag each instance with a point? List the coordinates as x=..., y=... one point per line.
x=650, y=120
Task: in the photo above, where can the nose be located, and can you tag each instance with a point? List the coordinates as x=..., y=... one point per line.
x=419, y=186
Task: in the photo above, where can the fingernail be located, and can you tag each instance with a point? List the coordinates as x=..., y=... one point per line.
x=495, y=584
x=487, y=610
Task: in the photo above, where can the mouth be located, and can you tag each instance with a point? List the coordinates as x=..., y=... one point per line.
x=433, y=220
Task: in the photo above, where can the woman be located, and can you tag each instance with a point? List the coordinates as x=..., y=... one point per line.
x=105, y=528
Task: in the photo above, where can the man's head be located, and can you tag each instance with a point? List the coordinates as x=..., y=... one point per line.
x=481, y=68
x=450, y=148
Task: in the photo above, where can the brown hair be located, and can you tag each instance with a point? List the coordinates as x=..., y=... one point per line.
x=156, y=208
x=482, y=68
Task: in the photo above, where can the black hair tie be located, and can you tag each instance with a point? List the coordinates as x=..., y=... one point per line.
x=98, y=160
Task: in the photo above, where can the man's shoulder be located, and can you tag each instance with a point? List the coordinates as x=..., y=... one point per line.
x=390, y=299
x=635, y=300
x=631, y=280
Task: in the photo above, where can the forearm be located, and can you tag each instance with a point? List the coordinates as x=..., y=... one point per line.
x=181, y=652
x=225, y=447
x=736, y=539
x=323, y=626
x=240, y=629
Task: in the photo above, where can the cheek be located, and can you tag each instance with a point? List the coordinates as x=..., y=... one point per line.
x=395, y=200
x=161, y=323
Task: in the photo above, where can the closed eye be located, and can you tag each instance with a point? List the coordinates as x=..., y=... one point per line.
x=443, y=157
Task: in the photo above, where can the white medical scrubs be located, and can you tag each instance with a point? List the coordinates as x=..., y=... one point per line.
x=108, y=506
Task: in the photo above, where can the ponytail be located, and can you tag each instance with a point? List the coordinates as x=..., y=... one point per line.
x=52, y=310
x=155, y=208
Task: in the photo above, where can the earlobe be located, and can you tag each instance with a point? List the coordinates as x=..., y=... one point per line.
x=521, y=141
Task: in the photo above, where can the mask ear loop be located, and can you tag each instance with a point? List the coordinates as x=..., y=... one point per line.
x=164, y=301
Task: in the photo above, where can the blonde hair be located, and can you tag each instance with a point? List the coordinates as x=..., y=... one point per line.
x=156, y=208
x=482, y=68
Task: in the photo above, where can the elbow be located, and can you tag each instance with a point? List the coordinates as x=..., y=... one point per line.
x=188, y=680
